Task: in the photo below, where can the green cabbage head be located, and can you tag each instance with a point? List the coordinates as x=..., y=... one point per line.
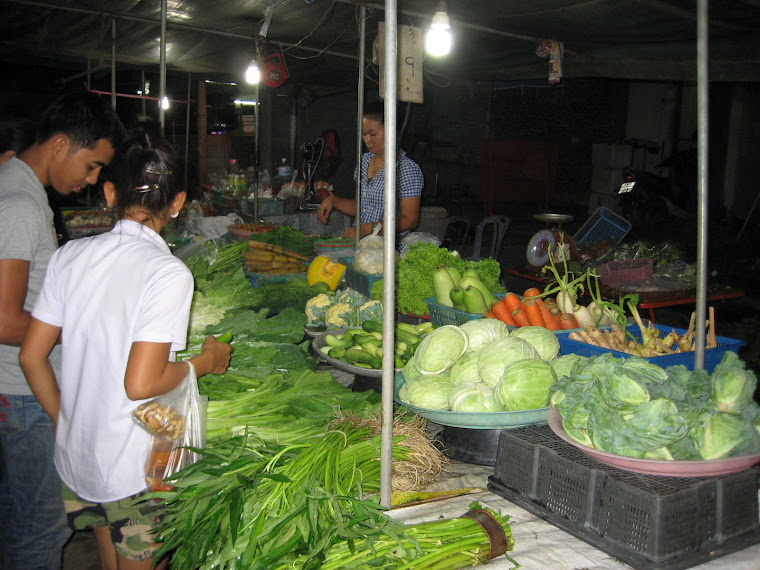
x=563, y=365
x=429, y=391
x=732, y=385
x=440, y=349
x=542, y=339
x=465, y=370
x=473, y=398
x=724, y=435
x=482, y=331
x=497, y=355
x=525, y=385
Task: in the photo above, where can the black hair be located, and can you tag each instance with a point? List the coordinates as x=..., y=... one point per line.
x=84, y=118
x=375, y=111
x=15, y=134
x=144, y=174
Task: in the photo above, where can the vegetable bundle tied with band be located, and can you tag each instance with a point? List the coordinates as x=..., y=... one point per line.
x=263, y=257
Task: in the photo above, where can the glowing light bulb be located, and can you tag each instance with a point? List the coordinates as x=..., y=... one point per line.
x=252, y=74
x=438, y=40
x=165, y=103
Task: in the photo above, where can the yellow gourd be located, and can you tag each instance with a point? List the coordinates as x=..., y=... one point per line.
x=325, y=270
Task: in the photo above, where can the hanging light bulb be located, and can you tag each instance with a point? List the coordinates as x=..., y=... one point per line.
x=438, y=40
x=252, y=74
x=165, y=103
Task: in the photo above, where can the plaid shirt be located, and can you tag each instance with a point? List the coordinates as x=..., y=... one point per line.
x=409, y=182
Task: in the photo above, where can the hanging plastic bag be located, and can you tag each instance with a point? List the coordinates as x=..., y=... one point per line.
x=369, y=253
x=417, y=237
x=177, y=422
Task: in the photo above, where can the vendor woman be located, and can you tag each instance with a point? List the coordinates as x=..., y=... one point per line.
x=409, y=183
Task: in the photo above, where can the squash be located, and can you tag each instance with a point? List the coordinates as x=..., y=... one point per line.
x=322, y=269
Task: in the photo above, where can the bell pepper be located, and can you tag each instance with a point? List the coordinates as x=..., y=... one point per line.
x=322, y=269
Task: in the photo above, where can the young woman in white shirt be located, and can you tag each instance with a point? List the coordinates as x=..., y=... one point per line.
x=120, y=303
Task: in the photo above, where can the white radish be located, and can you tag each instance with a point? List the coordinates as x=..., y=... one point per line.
x=566, y=302
x=584, y=316
x=601, y=316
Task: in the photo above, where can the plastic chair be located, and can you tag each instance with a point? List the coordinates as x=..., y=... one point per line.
x=455, y=231
x=432, y=219
x=496, y=227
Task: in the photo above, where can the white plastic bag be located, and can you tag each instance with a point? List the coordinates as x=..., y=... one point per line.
x=177, y=422
x=417, y=237
x=369, y=253
x=212, y=226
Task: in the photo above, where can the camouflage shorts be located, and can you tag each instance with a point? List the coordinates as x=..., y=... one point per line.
x=130, y=523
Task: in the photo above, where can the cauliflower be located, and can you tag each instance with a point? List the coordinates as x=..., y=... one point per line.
x=371, y=311
x=339, y=315
x=316, y=307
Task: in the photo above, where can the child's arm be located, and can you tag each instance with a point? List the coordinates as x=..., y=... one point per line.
x=150, y=374
x=40, y=339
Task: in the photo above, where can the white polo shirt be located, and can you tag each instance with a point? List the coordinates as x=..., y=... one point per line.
x=107, y=292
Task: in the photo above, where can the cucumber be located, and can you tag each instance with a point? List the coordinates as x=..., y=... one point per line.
x=341, y=341
x=397, y=362
x=372, y=347
x=336, y=352
x=225, y=337
x=359, y=357
x=362, y=338
x=372, y=326
x=406, y=327
x=410, y=339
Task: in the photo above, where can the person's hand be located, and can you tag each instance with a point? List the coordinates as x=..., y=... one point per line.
x=350, y=233
x=219, y=352
x=323, y=212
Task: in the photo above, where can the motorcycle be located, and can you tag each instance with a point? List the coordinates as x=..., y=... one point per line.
x=643, y=199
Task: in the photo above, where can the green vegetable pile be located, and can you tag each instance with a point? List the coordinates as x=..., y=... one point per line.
x=483, y=367
x=414, y=275
x=635, y=408
x=287, y=238
x=363, y=346
x=341, y=309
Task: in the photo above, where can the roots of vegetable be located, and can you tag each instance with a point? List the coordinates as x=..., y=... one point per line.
x=425, y=462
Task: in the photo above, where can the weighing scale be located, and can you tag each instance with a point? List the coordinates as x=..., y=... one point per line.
x=544, y=241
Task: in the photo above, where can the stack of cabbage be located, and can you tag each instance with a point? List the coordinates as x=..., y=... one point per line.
x=481, y=367
x=635, y=408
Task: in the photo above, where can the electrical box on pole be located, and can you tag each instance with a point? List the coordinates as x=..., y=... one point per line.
x=409, y=49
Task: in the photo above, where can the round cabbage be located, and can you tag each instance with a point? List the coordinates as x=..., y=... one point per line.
x=465, y=369
x=542, y=339
x=429, y=391
x=563, y=365
x=473, y=398
x=497, y=355
x=440, y=349
x=482, y=331
x=525, y=385
x=410, y=371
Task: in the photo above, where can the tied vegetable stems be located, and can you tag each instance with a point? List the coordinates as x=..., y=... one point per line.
x=567, y=289
x=615, y=311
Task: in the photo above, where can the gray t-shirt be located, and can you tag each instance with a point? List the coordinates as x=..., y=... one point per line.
x=26, y=232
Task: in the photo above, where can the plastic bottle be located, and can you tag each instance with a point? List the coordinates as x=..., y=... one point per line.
x=233, y=176
x=283, y=170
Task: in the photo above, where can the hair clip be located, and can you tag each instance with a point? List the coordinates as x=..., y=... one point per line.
x=147, y=188
x=150, y=170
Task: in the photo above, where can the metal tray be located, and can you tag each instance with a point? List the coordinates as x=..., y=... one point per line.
x=549, y=218
x=473, y=420
x=319, y=342
x=677, y=468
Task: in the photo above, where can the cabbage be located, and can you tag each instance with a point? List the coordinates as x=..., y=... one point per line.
x=723, y=435
x=410, y=371
x=732, y=385
x=440, y=349
x=482, y=331
x=473, y=398
x=525, y=385
x=465, y=369
x=497, y=355
x=542, y=339
x=429, y=391
x=563, y=365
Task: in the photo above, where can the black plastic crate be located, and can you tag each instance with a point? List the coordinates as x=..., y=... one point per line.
x=645, y=520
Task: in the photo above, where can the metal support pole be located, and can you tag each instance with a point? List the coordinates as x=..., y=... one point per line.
x=162, y=64
x=359, y=113
x=187, y=126
x=703, y=119
x=256, y=126
x=113, y=64
x=389, y=257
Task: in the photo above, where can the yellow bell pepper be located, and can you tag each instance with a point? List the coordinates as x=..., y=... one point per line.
x=325, y=270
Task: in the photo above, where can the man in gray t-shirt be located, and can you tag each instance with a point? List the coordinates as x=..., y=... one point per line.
x=76, y=137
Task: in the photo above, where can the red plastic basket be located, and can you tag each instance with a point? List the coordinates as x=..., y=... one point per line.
x=625, y=270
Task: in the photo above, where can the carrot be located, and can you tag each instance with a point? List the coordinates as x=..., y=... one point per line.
x=567, y=321
x=501, y=312
x=512, y=301
x=489, y=315
x=520, y=318
x=549, y=321
x=533, y=312
x=532, y=292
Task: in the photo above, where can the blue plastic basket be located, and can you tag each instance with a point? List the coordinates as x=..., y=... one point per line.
x=443, y=315
x=712, y=355
x=358, y=281
x=602, y=224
